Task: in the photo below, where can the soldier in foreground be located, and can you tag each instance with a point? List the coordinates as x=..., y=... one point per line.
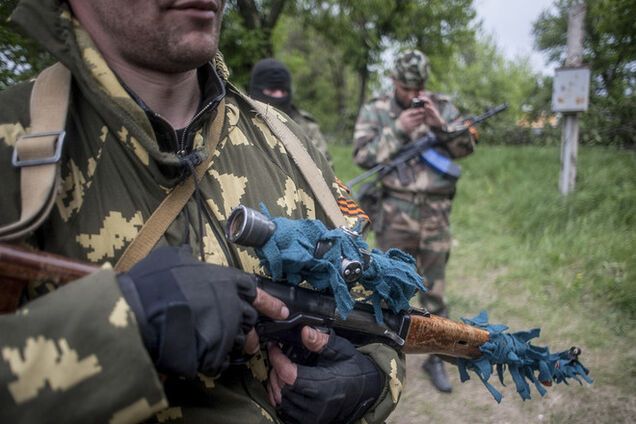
x=416, y=205
x=271, y=83
x=170, y=338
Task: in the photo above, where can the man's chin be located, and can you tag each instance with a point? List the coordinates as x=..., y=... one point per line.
x=189, y=56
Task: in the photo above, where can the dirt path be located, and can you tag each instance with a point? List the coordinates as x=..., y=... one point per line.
x=611, y=399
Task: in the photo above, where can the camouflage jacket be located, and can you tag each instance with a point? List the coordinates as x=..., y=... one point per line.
x=378, y=136
x=75, y=354
x=311, y=129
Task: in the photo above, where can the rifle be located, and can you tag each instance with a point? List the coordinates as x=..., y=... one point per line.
x=413, y=331
x=424, y=146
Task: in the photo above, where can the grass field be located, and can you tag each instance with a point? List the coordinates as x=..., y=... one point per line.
x=533, y=258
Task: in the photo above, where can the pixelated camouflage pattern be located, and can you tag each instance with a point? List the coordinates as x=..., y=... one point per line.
x=112, y=181
x=76, y=353
x=411, y=68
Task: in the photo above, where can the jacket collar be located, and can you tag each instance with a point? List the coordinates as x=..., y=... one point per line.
x=50, y=23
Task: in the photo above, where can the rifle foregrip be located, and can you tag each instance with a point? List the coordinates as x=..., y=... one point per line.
x=434, y=334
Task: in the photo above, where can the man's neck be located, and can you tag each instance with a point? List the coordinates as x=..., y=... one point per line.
x=175, y=96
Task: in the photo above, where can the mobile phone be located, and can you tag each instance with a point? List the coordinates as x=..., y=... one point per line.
x=417, y=102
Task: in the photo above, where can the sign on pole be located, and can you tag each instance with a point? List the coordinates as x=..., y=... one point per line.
x=571, y=89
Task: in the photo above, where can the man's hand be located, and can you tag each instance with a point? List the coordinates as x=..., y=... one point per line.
x=340, y=388
x=410, y=119
x=192, y=314
x=432, y=117
x=269, y=306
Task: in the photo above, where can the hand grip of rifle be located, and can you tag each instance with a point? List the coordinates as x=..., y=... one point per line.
x=413, y=331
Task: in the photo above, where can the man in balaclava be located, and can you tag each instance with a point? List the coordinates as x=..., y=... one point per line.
x=271, y=83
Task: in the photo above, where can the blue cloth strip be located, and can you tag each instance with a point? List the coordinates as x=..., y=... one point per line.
x=289, y=255
x=525, y=362
x=393, y=280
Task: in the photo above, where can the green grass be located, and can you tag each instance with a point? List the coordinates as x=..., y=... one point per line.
x=579, y=248
x=534, y=258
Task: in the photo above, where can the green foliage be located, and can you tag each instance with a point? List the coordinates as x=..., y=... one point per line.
x=478, y=76
x=610, y=52
x=352, y=36
x=322, y=82
x=20, y=58
x=577, y=248
x=562, y=250
x=237, y=38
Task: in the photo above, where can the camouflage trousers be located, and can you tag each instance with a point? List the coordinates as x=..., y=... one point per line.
x=419, y=225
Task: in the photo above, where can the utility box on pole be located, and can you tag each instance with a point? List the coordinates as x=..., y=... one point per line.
x=571, y=90
x=570, y=94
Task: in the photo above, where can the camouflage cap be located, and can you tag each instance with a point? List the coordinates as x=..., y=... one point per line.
x=411, y=68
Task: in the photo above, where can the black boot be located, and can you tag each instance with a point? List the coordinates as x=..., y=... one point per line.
x=434, y=367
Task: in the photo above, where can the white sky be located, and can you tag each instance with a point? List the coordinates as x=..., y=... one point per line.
x=510, y=21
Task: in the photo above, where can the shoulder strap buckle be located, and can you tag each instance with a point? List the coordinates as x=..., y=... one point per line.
x=34, y=161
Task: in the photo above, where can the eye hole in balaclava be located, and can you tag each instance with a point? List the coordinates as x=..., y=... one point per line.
x=271, y=74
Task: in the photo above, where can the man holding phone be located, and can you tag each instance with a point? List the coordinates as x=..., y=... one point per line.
x=416, y=203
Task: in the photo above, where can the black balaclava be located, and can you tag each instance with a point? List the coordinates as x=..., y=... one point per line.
x=270, y=73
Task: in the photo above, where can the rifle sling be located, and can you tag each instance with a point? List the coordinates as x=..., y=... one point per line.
x=37, y=153
x=305, y=163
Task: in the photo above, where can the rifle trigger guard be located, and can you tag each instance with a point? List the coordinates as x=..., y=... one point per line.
x=270, y=328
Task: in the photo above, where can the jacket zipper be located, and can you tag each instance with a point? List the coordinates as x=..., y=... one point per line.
x=215, y=225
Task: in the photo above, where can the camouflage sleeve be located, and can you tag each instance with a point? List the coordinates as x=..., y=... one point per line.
x=76, y=355
x=393, y=365
x=457, y=147
x=376, y=141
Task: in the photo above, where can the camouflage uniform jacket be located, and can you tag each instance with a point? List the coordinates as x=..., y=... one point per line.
x=311, y=129
x=378, y=136
x=76, y=355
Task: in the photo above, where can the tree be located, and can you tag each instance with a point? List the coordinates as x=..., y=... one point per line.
x=363, y=30
x=477, y=75
x=610, y=52
x=247, y=34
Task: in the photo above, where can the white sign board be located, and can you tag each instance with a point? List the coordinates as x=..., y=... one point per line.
x=570, y=90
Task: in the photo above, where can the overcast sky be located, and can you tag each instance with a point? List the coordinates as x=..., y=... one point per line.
x=510, y=21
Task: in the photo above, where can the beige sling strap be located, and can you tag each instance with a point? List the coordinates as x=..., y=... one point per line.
x=305, y=163
x=174, y=203
x=38, y=153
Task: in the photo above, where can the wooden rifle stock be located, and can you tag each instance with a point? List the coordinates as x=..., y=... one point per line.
x=18, y=266
x=435, y=334
x=426, y=333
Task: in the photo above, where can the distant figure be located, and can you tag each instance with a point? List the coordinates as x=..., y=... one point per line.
x=415, y=206
x=271, y=83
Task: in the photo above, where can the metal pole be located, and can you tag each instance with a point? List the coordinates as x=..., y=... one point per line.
x=570, y=135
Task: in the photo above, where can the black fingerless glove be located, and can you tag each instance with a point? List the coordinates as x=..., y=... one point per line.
x=342, y=386
x=191, y=314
